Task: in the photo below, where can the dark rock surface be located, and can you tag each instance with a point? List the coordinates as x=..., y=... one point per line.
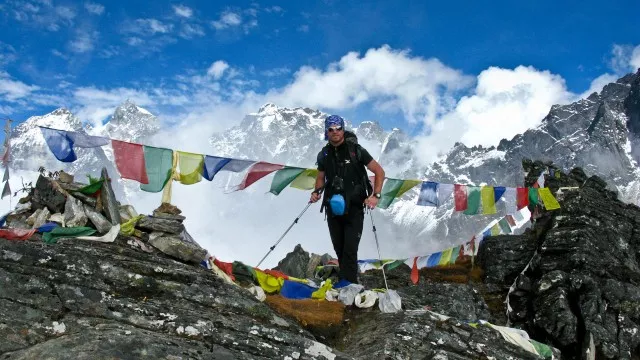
x=79, y=300
x=295, y=263
x=150, y=223
x=108, y=197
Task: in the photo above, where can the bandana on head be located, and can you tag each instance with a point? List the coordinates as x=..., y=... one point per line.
x=333, y=120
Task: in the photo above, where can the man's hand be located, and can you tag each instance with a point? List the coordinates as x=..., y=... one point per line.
x=371, y=202
x=314, y=197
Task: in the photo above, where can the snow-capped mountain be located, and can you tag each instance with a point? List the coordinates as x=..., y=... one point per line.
x=131, y=123
x=29, y=150
x=599, y=133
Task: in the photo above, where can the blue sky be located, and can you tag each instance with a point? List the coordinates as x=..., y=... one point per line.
x=208, y=63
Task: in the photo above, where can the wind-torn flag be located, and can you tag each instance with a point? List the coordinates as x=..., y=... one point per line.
x=444, y=192
x=59, y=143
x=213, y=164
x=256, y=172
x=130, y=161
x=6, y=191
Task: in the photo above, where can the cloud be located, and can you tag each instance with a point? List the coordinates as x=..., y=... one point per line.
x=148, y=27
x=625, y=58
x=303, y=28
x=12, y=90
x=504, y=102
x=182, y=11
x=109, y=51
x=276, y=72
x=217, y=68
x=392, y=80
x=227, y=19
x=95, y=105
x=7, y=54
x=42, y=14
x=233, y=19
x=94, y=8
x=83, y=42
x=274, y=9
x=189, y=31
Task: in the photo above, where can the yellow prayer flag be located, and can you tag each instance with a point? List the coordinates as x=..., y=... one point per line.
x=406, y=186
x=495, y=229
x=190, y=167
x=446, y=257
x=306, y=180
x=550, y=203
x=487, y=195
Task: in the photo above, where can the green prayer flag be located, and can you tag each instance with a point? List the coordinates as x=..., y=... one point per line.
x=533, y=196
x=158, y=162
x=52, y=236
x=504, y=225
x=543, y=350
x=394, y=188
x=473, y=200
x=91, y=188
x=284, y=177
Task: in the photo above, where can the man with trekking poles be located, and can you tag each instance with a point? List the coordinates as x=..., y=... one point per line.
x=347, y=190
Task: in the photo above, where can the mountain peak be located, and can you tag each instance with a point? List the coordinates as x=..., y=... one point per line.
x=131, y=122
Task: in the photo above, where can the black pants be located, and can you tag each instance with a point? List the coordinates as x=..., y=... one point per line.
x=345, y=232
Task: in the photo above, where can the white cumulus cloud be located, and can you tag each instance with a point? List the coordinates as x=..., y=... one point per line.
x=217, y=69
x=94, y=8
x=182, y=11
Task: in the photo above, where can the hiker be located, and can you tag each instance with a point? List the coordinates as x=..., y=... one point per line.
x=347, y=190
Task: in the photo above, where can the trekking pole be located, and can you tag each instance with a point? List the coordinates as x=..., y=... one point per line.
x=319, y=191
x=378, y=246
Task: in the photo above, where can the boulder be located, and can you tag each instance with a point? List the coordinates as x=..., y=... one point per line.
x=108, y=199
x=173, y=246
x=97, y=219
x=74, y=214
x=150, y=223
x=49, y=194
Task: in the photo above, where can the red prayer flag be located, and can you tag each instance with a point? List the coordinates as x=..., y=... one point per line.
x=16, y=234
x=522, y=197
x=257, y=171
x=460, y=196
x=511, y=220
x=130, y=161
x=414, y=271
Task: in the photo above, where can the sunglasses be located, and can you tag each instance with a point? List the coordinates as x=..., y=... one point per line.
x=332, y=129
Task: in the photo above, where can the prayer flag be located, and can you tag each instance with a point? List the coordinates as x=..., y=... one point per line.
x=130, y=161
x=444, y=192
x=394, y=188
x=59, y=143
x=6, y=174
x=6, y=191
x=495, y=229
x=213, y=164
x=284, y=177
x=454, y=254
x=510, y=200
x=428, y=194
x=522, y=197
x=498, y=192
x=550, y=202
x=460, y=195
x=434, y=259
x=159, y=165
x=415, y=276
x=191, y=167
x=504, y=226
x=473, y=200
x=256, y=172
x=306, y=180
x=487, y=194
x=533, y=196
x=446, y=257
x=237, y=165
